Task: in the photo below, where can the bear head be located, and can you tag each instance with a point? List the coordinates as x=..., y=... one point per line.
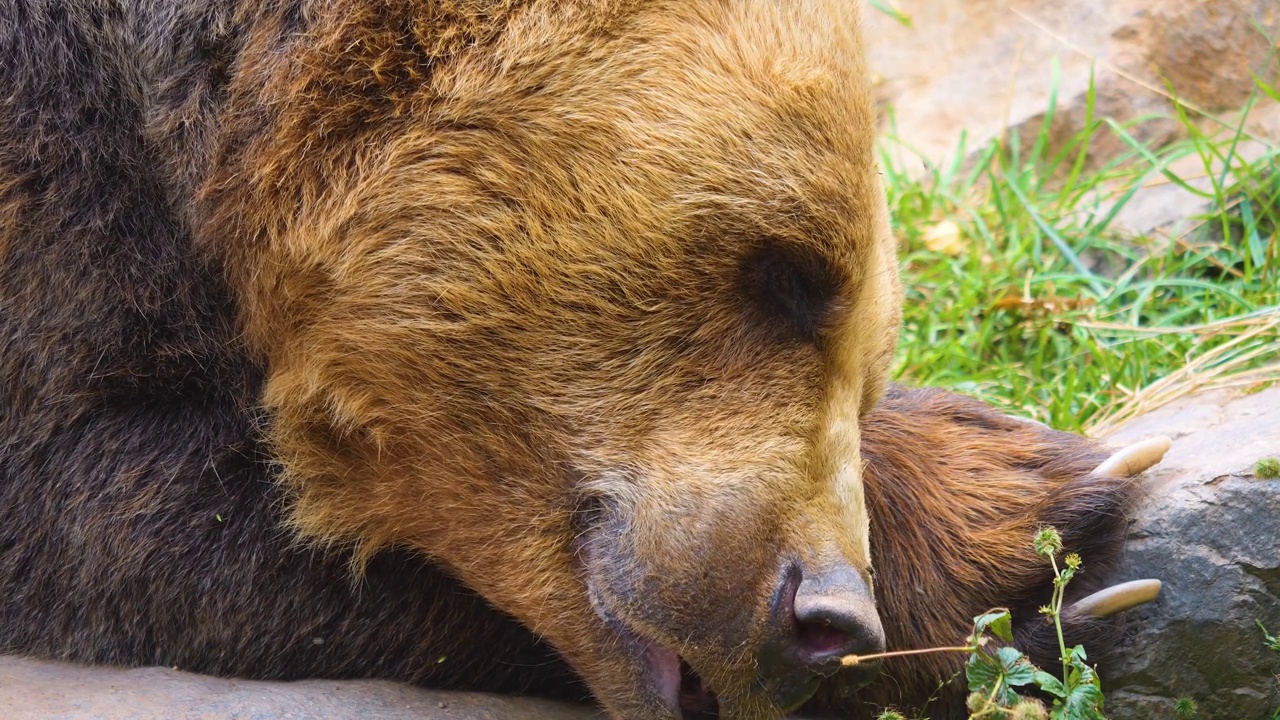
x=584, y=301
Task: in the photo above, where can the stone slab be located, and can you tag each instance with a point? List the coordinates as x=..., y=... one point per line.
x=43, y=690
x=1210, y=530
x=984, y=67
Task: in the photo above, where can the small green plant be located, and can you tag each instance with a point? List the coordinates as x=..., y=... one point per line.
x=1273, y=643
x=994, y=675
x=1185, y=708
x=892, y=10
x=996, y=672
x=1271, y=640
x=1267, y=469
x=891, y=715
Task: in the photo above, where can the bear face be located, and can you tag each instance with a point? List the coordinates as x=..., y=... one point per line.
x=583, y=301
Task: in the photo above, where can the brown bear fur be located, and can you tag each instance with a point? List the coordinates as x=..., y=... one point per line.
x=488, y=283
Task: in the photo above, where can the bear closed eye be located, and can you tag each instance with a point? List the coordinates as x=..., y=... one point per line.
x=791, y=286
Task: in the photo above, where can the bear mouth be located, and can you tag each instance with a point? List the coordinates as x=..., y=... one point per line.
x=684, y=691
x=669, y=675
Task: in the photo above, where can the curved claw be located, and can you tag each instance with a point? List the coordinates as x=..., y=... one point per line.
x=1116, y=599
x=1135, y=458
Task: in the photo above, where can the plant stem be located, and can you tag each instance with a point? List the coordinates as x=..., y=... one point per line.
x=1059, y=589
x=852, y=660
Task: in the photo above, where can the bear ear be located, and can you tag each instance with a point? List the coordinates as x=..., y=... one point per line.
x=1135, y=458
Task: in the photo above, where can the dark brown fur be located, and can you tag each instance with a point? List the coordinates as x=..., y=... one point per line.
x=288, y=283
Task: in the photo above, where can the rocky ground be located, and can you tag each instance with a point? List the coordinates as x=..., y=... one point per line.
x=989, y=69
x=1210, y=530
x=41, y=690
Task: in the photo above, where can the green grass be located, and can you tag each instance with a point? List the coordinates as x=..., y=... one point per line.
x=1021, y=291
x=1267, y=469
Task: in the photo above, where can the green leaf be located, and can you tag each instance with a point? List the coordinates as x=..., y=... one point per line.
x=1271, y=640
x=997, y=674
x=998, y=622
x=1017, y=670
x=1050, y=684
x=1084, y=702
x=892, y=11
x=1268, y=90
x=983, y=672
x=986, y=675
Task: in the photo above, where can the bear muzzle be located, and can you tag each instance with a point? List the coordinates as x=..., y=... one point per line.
x=822, y=611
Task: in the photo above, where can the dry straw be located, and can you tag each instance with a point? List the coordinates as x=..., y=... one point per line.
x=1229, y=365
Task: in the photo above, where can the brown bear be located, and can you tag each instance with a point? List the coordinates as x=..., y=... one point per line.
x=527, y=346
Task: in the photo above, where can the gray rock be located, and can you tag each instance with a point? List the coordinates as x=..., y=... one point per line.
x=1211, y=531
x=988, y=69
x=42, y=690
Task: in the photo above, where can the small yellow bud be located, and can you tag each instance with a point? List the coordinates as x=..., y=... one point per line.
x=1029, y=710
x=978, y=703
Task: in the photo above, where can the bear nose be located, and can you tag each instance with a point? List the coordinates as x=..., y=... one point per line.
x=820, y=613
x=834, y=615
